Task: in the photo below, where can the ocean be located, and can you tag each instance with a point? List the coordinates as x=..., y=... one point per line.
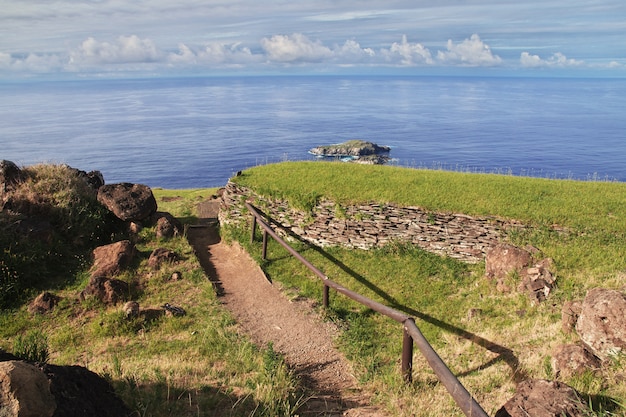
x=198, y=132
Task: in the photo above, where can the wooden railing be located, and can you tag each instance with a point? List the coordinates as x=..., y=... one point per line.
x=411, y=333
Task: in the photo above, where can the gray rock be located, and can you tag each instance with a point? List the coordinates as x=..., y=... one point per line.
x=602, y=322
x=24, y=391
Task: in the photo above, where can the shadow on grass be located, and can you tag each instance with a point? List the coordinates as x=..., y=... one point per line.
x=503, y=353
x=162, y=399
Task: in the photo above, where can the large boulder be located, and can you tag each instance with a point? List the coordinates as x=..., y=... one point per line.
x=502, y=259
x=82, y=393
x=129, y=202
x=10, y=174
x=43, y=303
x=24, y=391
x=106, y=290
x=167, y=226
x=110, y=260
x=602, y=322
x=541, y=398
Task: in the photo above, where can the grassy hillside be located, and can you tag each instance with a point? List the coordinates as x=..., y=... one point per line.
x=581, y=225
x=196, y=365
x=201, y=365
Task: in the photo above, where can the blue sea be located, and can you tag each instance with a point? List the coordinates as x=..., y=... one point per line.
x=198, y=132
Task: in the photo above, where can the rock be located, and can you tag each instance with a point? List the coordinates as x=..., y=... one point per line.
x=171, y=310
x=176, y=276
x=502, y=259
x=110, y=260
x=570, y=360
x=356, y=149
x=161, y=255
x=43, y=303
x=541, y=398
x=537, y=280
x=94, y=179
x=24, y=391
x=569, y=315
x=131, y=309
x=108, y=291
x=602, y=322
x=82, y=393
x=10, y=174
x=129, y=202
x=167, y=226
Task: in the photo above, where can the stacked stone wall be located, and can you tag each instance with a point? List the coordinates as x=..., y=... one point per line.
x=373, y=225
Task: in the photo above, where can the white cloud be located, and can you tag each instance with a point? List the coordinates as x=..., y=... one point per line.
x=556, y=60
x=352, y=53
x=471, y=52
x=294, y=48
x=408, y=54
x=127, y=49
x=35, y=63
x=214, y=53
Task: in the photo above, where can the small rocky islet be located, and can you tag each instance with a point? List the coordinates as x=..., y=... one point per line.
x=356, y=150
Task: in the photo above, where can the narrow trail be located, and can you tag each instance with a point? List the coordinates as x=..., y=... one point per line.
x=267, y=315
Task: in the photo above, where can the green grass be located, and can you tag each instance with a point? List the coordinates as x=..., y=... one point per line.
x=196, y=365
x=581, y=225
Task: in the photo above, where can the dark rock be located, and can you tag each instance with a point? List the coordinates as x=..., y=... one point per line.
x=82, y=393
x=129, y=202
x=10, y=174
x=570, y=360
x=110, y=260
x=108, y=291
x=167, y=226
x=43, y=303
x=175, y=311
x=6, y=356
x=161, y=255
x=602, y=322
x=24, y=391
x=540, y=398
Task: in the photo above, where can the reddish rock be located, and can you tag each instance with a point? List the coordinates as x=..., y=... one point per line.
x=160, y=256
x=570, y=360
x=129, y=202
x=502, y=259
x=167, y=226
x=108, y=291
x=602, y=322
x=540, y=398
x=569, y=315
x=110, y=260
x=24, y=391
x=43, y=303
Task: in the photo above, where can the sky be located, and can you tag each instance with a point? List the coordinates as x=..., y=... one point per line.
x=120, y=38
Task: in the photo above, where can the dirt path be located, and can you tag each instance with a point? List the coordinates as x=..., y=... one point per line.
x=268, y=315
